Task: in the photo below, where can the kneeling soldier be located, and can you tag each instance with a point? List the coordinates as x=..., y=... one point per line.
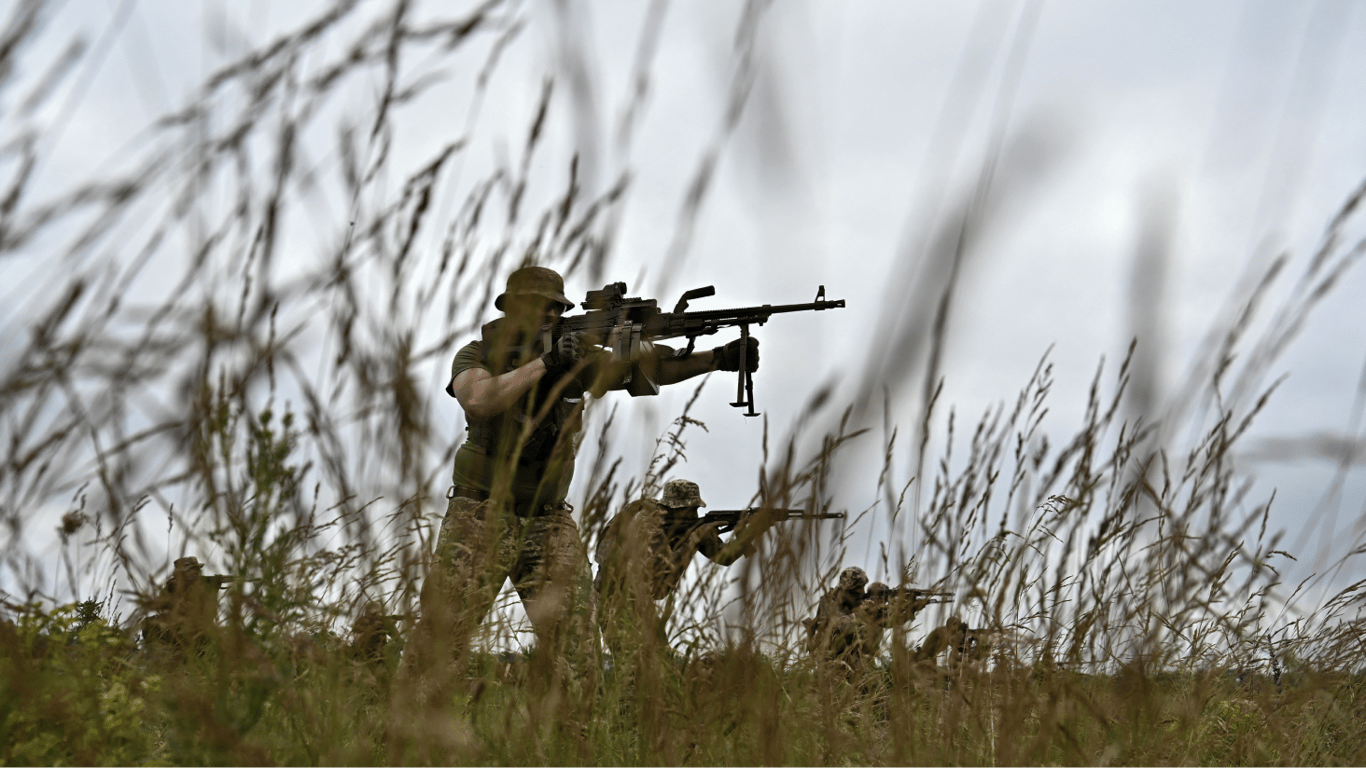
x=643, y=555
x=186, y=611
x=850, y=619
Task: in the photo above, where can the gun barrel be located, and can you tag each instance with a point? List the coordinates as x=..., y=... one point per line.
x=937, y=596
x=801, y=514
x=759, y=314
x=667, y=325
x=777, y=514
x=764, y=310
x=222, y=580
x=924, y=594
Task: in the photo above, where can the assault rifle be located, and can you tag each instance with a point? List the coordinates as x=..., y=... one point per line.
x=222, y=581
x=728, y=519
x=918, y=596
x=611, y=318
x=907, y=600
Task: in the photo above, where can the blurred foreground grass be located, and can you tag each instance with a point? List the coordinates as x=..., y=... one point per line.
x=1137, y=647
x=183, y=371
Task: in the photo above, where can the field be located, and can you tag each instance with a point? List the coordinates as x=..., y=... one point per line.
x=221, y=344
x=1136, y=643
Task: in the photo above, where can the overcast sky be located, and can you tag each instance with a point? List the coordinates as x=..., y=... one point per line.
x=1229, y=131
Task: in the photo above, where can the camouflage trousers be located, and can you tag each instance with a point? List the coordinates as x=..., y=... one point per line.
x=479, y=546
x=635, y=633
x=628, y=617
x=844, y=643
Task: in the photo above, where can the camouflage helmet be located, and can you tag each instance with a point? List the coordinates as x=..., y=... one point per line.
x=535, y=281
x=187, y=563
x=853, y=579
x=679, y=494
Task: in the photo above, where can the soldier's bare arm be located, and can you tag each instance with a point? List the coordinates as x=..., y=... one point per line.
x=726, y=358
x=708, y=544
x=659, y=365
x=484, y=395
x=675, y=369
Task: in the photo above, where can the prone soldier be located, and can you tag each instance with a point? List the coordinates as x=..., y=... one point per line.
x=952, y=634
x=963, y=643
x=851, y=617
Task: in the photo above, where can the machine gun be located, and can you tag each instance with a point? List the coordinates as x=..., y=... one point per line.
x=901, y=604
x=727, y=519
x=613, y=319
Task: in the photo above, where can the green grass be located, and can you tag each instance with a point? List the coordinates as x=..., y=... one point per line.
x=83, y=696
x=1116, y=679
x=179, y=386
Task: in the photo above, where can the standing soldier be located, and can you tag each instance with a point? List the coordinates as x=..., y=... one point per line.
x=523, y=397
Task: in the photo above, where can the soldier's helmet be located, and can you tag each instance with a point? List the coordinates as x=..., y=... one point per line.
x=679, y=494
x=535, y=281
x=186, y=575
x=188, y=564
x=370, y=621
x=879, y=592
x=853, y=579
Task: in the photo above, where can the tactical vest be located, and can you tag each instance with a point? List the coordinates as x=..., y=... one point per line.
x=497, y=436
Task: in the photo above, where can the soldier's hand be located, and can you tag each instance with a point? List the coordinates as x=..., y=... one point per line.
x=728, y=357
x=595, y=371
x=564, y=354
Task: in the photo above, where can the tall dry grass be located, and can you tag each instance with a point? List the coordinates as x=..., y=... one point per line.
x=218, y=351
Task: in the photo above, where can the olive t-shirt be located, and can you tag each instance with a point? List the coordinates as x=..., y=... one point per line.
x=474, y=467
x=547, y=483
